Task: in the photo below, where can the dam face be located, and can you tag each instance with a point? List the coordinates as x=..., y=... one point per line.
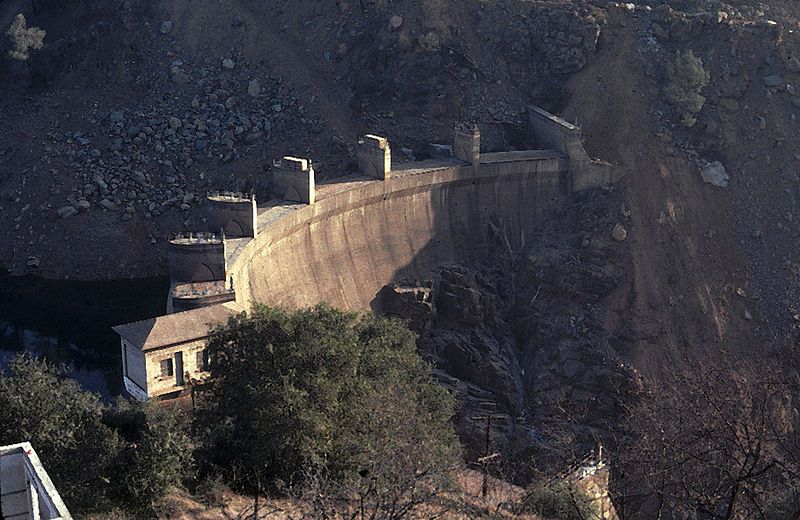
x=361, y=235
x=341, y=242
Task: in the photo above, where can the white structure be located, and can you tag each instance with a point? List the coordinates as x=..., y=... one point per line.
x=26, y=492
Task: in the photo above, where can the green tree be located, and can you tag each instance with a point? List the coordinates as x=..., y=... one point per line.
x=65, y=426
x=98, y=456
x=157, y=454
x=326, y=393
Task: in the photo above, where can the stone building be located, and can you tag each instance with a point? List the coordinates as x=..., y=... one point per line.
x=166, y=355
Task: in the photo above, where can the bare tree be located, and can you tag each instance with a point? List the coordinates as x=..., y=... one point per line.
x=714, y=442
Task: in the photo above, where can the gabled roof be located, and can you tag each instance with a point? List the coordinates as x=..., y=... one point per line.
x=172, y=329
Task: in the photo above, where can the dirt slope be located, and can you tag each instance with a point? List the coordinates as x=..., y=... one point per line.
x=680, y=293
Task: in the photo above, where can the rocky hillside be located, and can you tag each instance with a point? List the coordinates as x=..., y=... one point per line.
x=132, y=111
x=126, y=118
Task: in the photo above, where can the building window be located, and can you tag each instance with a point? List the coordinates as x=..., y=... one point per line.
x=166, y=367
x=202, y=360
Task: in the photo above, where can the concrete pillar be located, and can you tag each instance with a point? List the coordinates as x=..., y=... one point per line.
x=374, y=156
x=234, y=214
x=197, y=258
x=293, y=180
x=467, y=142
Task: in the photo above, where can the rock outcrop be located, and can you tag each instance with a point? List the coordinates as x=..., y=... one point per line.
x=522, y=336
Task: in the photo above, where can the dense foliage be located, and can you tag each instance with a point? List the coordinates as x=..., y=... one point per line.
x=324, y=392
x=97, y=456
x=24, y=38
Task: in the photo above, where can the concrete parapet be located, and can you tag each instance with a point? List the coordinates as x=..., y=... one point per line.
x=467, y=142
x=197, y=258
x=587, y=175
x=293, y=180
x=233, y=214
x=551, y=131
x=374, y=156
x=187, y=296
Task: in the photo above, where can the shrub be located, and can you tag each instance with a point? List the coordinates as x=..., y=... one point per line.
x=99, y=457
x=686, y=79
x=560, y=501
x=64, y=424
x=324, y=392
x=157, y=456
x=24, y=38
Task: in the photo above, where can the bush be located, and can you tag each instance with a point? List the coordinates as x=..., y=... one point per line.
x=686, y=79
x=157, y=456
x=64, y=424
x=98, y=457
x=560, y=501
x=24, y=38
x=322, y=392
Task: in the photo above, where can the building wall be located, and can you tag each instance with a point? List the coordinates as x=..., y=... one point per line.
x=134, y=364
x=374, y=157
x=294, y=185
x=344, y=248
x=555, y=133
x=158, y=385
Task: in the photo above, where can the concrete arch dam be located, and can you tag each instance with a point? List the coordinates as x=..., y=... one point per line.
x=360, y=235
x=341, y=242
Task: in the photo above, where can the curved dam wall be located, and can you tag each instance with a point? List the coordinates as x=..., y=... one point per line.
x=341, y=242
x=361, y=235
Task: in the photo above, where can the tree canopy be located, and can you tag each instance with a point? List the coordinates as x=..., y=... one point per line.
x=98, y=456
x=325, y=392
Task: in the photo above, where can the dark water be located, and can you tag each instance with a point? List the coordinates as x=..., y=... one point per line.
x=69, y=323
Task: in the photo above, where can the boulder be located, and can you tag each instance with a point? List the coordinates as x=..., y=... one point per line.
x=166, y=27
x=395, y=22
x=254, y=88
x=619, y=233
x=67, y=211
x=715, y=174
x=773, y=80
x=107, y=204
